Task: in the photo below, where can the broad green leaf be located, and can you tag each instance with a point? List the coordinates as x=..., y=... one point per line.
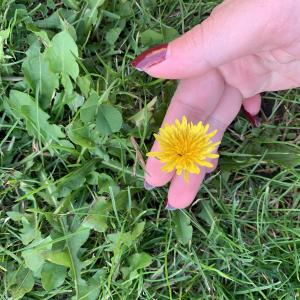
x=90, y=289
x=183, y=229
x=51, y=22
x=53, y=276
x=4, y=34
x=125, y=8
x=169, y=34
x=108, y=120
x=136, y=261
x=117, y=240
x=22, y=106
x=138, y=229
x=94, y=4
x=150, y=37
x=84, y=84
x=61, y=258
x=285, y=155
x=92, y=11
x=143, y=116
x=67, y=84
x=75, y=179
x=33, y=257
x=80, y=134
x=71, y=4
x=112, y=35
x=60, y=19
x=79, y=237
x=29, y=232
x=126, y=239
x=92, y=178
x=39, y=76
x=15, y=215
x=74, y=101
x=89, y=108
x=23, y=283
x=207, y=214
x=62, y=53
x=73, y=245
x=98, y=214
x=104, y=183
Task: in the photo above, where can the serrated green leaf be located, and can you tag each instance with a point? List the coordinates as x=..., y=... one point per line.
x=108, y=119
x=136, y=261
x=39, y=75
x=105, y=182
x=33, y=257
x=23, y=283
x=183, y=229
x=79, y=237
x=98, y=214
x=90, y=290
x=62, y=53
x=283, y=154
x=29, y=232
x=53, y=276
x=80, y=134
x=23, y=107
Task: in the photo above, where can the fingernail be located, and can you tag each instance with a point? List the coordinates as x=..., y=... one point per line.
x=148, y=186
x=254, y=120
x=150, y=57
x=170, y=207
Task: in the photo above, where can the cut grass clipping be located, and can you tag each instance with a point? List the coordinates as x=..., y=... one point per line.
x=75, y=123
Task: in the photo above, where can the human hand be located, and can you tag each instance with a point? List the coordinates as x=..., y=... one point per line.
x=244, y=48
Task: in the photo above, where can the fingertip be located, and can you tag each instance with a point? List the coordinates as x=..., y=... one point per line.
x=182, y=194
x=215, y=165
x=154, y=176
x=252, y=105
x=182, y=59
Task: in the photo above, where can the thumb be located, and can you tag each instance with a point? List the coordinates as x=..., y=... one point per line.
x=236, y=28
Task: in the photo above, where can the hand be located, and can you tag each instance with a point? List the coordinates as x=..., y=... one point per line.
x=244, y=48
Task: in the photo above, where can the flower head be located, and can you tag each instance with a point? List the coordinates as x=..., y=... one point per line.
x=185, y=147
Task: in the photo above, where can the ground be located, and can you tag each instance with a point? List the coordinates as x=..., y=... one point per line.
x=76, y=121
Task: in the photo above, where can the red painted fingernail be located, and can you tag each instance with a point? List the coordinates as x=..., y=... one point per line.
x=150, y=57
x=254, y=120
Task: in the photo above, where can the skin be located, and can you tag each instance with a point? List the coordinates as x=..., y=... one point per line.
x=244, y=48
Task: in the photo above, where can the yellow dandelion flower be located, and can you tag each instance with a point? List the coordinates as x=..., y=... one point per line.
x=185, y=147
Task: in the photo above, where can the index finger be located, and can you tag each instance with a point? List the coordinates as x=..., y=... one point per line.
x=196, y=98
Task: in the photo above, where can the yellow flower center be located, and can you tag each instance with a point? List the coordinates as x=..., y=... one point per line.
x=185, y=147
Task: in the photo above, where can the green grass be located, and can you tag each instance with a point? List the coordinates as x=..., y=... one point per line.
x=75, y=220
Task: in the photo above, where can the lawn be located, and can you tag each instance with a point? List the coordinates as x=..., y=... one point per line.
x=76, y=121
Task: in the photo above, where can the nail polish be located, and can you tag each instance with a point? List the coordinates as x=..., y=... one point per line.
x=148, y=186
x=150, y=57
x=170, y=207
x=254, y=120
